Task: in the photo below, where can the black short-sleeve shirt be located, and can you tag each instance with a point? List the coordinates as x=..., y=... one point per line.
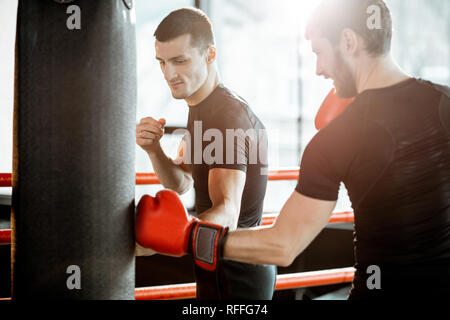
x=391, y=148
x=225, y=133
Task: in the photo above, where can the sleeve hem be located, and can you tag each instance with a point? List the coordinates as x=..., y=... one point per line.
x=240, y=167
x=320, y=195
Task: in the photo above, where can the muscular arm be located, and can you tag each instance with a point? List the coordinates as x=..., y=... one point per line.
x=300, y=221
x=173, y=174
x=225, y=191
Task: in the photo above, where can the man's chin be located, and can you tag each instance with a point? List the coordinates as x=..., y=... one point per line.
x=179, y=96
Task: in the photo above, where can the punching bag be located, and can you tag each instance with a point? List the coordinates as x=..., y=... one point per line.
x=74, y=133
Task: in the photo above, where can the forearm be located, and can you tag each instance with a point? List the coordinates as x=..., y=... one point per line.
x=257, y=245
x=299, y=222
x=266, y=245
x=171, y=175
x=223, y=214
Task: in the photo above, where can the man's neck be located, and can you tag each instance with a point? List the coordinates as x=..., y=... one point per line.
x=205, y=90
x=379, y=73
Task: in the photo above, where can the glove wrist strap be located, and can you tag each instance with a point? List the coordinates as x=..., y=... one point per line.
x=207, y=244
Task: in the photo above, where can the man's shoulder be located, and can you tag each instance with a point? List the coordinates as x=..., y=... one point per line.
x=231, y=110
x=229, y=99
x=440, y=88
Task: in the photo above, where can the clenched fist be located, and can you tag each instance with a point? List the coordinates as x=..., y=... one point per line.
x=148, y=132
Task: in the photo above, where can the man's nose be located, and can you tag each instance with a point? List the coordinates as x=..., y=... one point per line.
x=169, y=72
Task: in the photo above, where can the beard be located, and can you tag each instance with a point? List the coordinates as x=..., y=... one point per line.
x=344, y=81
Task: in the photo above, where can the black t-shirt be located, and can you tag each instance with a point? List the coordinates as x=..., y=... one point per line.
x=225, y=133
x=391, y=148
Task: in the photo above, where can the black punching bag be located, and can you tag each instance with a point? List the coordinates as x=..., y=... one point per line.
x=74, y=136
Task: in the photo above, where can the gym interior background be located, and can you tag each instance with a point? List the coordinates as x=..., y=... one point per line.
x=263, y=56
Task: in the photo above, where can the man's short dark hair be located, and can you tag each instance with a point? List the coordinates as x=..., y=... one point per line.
x=186, y=21
x=332, y=16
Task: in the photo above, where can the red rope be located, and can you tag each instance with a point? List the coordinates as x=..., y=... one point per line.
x=151, y=178
x=5, y=236
x=5, y=180
x=284, y=282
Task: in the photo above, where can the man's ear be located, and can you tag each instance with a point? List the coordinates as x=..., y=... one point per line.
x=350, y=42
x=211, y=54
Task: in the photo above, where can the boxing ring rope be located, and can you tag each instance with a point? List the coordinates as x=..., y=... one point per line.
x=5, y=236
x=339, y=217
x=5, y=180
x=151, y=178
x=188, y=290
x=284, y=282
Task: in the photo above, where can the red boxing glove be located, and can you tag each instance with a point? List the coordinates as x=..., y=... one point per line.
x=163, y=224
x=331, y=107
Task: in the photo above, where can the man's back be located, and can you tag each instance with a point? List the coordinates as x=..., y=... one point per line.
x=391, y=148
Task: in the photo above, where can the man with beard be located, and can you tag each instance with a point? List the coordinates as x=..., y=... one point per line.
x=390, y=147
